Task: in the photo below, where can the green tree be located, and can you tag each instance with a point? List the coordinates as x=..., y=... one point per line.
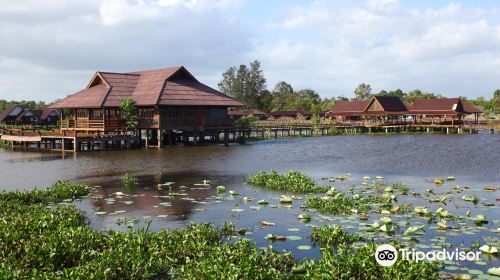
x=362, y=91
x=282, y=95
x=496, y=94
x=130, y=112
x=244, y=83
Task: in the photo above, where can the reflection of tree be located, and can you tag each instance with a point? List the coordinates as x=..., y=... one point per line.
x=146, y=198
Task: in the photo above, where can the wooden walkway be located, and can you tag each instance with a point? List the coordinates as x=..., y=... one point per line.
x=72, y=141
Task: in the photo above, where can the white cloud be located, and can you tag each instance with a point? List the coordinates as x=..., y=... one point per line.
x=50, y=48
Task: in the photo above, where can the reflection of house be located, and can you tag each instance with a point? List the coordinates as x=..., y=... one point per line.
x=452, y=109
x=168, y=99
x=377, y=108
x=289, y=115
x=236, y=114
x=14, y=114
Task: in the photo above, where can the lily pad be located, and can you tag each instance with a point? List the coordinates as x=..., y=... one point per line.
x=489, y=249
x=304, y=247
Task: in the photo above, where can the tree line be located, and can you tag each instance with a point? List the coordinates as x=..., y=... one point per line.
x=25, y=104
x=248, y=85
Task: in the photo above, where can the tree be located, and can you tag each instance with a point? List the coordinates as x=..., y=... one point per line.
x=129, y=110
x=362, y=91
x=496, y=94
x=495, y=104
x=282, y=95
x=244, y=83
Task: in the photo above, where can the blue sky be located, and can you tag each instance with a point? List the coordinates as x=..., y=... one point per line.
x=51, y=48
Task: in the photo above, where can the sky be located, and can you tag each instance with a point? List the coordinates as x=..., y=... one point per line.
x=51, y=48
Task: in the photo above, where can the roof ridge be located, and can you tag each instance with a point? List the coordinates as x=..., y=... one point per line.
x=117, y=73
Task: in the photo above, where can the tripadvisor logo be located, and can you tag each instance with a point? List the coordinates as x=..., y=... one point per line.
x=386, y=255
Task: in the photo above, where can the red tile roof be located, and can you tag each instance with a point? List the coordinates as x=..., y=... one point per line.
x=166, y=86
x=349, y=108
x=442, y=106
x=470, y=108
x=390, y=103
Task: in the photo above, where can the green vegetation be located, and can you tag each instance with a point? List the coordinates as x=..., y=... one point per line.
x=248, y=85
x=128, y=181
x=333, y=236
x=31, y=104
x=295, y=182
x=130, y=112
x=42, y=238
x=338, y=202
x=340, y=260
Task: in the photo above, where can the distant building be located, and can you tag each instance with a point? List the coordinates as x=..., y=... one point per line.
x=236, y=114
x=289, y=115
x=14, y=114
x=10, y=114
x=377, y=108
x=454, y=109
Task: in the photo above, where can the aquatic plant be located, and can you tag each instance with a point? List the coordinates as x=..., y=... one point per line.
x=343, y=203
x=295, y=182
x=333, y=236
x=41, y=242
x=128, y=181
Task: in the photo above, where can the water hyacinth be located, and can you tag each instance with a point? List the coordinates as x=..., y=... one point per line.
x=295, y=182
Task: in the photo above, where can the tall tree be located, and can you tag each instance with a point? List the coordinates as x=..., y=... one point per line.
x=496, y=94
x=282, y=95
x=244, y=83
x=362, y=91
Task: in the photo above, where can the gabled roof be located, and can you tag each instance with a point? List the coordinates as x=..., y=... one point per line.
x=390, y=103
x=5, y=114
x=438, y=106
x=47, y=111
x=470, y=108
x=35, y=113
x=346, y=108
x=374, y=106
x=166, y=86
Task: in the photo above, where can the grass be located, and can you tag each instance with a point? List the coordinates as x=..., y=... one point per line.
x=43, y=239
x=295, y=182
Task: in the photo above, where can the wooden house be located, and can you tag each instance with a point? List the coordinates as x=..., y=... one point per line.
x=376, y=109
x=442, y=110
x=10, y=114
x=169, y=99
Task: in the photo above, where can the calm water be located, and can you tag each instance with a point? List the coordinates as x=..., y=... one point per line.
x=412, y=159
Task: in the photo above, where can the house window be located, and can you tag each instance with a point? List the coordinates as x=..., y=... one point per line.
x=96, y=114
x=146, y=113
x=82, y=113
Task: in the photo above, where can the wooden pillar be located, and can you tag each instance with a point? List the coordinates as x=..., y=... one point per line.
x=170, y=140
x=195, y=137
x=160, y=138
x=226, y=137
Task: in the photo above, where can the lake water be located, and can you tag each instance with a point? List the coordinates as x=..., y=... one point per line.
x=416, y=160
